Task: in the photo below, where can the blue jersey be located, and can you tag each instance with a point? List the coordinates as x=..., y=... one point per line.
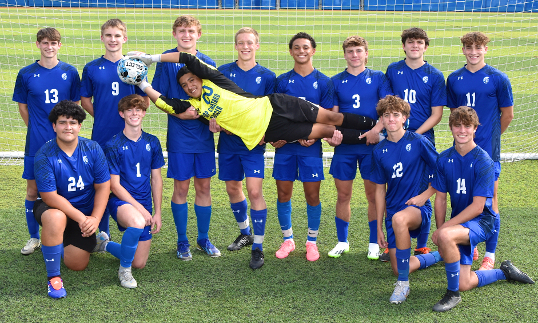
x=316, y=88
x=486, y=91
x=100, y=80
x=359, y=95
x=73, y=176
x=41, y=88
x=184, y=136
x=464, y=177
x=403, y=166
x=423, y=88
x=258, y=80
x=133, y=162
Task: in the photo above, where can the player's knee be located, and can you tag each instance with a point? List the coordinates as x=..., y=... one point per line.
x=139, y=264
x=444, y=237
x=234, y=191
x=54, y=219
x=344, y=197
x=465, y=285
x=255, y=194
x=78, y=264
x=138, y=221
x=399, y=221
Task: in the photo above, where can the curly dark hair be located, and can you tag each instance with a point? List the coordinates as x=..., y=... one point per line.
x=68, y=109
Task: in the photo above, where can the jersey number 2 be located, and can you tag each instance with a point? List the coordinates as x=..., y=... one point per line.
x=398, y=170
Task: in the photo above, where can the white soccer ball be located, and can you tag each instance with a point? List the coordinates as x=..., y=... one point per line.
x=132, y=70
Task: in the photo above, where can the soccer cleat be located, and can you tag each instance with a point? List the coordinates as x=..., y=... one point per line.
x=475, y=254
x=422, y=251
x=339, y=249
x=208, y=248
x=31, y=246
x=56, y=287
x=487, y=264
x=183, y=251
x=448, y=302
x=513, y=274
x=312, y=253
x=241, y=241
x=385, y=257
x=373, y=251
x=102, y=240
x=256, y=259
x=400, y=292
x=285, y=248
x=126, y=278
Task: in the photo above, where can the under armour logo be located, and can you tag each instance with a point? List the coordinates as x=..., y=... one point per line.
x=344, y=81
x=315, y=175
x=101, y=67
x=405, y=260
x=460, y=78
x=257, y=171
x=47, y=260
x=451, y=160
x=258, y=221
x=125, y=147
x=430, y=176
x=291, y=81
x=385, y=150
x=36, y=75
x=234, y=211
x=400, y=72
x=454, y=275
x=232, y=75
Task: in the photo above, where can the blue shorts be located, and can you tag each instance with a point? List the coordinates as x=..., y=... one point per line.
x=236, y=167
x=114, y=203
x=28, y=172
x=426, y=215
x=303, y=168
x=497, y=166
x=344, y=167
x=480, y=229
x=182, y=166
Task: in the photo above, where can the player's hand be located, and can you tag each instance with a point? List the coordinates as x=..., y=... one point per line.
x=147, y=216
x=89, y=226
x=213, y=126
x=372, y=137
x=381, y=239
x=416, y=200
x=156, y=225
x=434, y=237
x=227, y=132
x=190, y=114
x=336, y=139
x=262, y=142
x=146, y=58
x=278, y=144
x=306, y=142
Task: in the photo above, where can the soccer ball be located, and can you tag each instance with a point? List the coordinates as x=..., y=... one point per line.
x=132, y=70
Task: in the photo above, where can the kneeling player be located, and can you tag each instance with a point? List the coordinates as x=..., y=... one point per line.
x=73, y=180
x=401, y=163
x=467, y=173
x=135, y=159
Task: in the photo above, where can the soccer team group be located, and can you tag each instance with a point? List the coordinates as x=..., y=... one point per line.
x=381, y=123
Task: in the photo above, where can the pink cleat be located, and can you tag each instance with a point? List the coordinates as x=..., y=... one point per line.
x=312, y=253
x=285, y=248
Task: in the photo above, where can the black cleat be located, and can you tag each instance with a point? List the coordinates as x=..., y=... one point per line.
x=448, y=302
x=241, y=241
x=256, y=259
x=513, y=274
x=385, y=257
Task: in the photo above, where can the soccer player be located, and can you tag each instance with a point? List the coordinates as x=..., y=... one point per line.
x=357, y=90
x=135, y=159
x=39, y=86
x=400, y=169
x=488, y=91
x=467, y=173
x=72, y=178
x=100, y=82
x=236, y=161
x=194, y=155
x=423, y=87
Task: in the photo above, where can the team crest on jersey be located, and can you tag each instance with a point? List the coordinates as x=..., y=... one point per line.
x=369, y=80
x=425, y=79
x=408, y=147
x=64, y=76
x=486, y=80
x=148, y=147
x=258, y=80
x=85, y=159
x=315, y=85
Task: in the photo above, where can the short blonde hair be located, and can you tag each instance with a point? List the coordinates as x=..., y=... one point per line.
x=354, y=41
x=114, y=23
x=187, y=21
x=247, y=30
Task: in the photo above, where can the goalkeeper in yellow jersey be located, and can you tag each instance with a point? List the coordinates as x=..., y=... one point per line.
x=255, y=119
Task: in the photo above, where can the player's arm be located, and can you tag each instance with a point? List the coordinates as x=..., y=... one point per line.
x=87, y=104
x=380, y=205
x=421, y=199
x=178, y=108
x=432, y=121
x=157, y=194
x=124, y=195
x=507, y=115
x=56, y=201
x=100, y=199
x=23, y=110
x=440, y=213
x=470, y=212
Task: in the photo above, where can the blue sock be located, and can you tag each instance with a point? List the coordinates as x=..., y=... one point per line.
x=453, y=275
x=259, y=218
x=426, y=260
x=314, y=219
x=203, y=218
x=52, y=256
x=180, y=213
x=402, y=257
x=422, y=240
x=114, y=249
x=239, y=210
x=104, y=224
x=284, y=218
x=486, y=277
x=341, y=229
x=31, y=222
x=373, y=231
x=129, y=243
x=491, y=243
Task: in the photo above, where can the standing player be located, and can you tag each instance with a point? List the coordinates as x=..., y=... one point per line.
x=423, y=87
x=301, y=160
x=467, y=173
x=400, y=168
x=235, y=160
x=357, y=90
x=135, y=159
x=38, y=88
x=194, y=155
x=100, y=81
x=488, y=91
x=72, y=178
